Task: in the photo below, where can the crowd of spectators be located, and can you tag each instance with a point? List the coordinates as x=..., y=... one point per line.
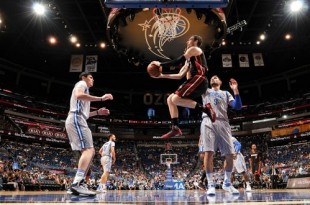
x=34, y=165
x=37, y=167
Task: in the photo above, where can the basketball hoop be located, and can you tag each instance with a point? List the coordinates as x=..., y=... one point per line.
x=167, y=20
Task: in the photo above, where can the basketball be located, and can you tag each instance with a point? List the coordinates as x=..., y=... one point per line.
x=153, y=70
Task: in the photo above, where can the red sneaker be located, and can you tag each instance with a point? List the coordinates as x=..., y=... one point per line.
x=210, y=112
x=173, y=132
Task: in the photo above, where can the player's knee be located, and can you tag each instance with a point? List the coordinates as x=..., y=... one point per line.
x=92, y=151
x=169, y=99
x=175, y=99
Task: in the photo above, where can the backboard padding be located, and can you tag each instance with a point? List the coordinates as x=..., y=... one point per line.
x=166, y=3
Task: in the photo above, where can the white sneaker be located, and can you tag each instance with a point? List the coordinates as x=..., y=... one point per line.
x=81, y=189
x=248, y=189
x=101, y=188
x=211, y=189
x=230, y=188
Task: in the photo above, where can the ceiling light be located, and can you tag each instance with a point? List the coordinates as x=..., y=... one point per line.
x=102, y=45
x=288, y=36
x=296, y=6
x=39, y=9
x=257, y=42
x=73, y=39
x=52, y=40
x=262, y=37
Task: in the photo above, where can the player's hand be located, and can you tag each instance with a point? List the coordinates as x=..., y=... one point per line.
x=159, y=76
x=233, y=84
x=155, y=63
x=103, y=111
x=235, y=156
x=107, y=97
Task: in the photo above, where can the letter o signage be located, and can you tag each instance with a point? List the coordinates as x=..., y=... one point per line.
x=157, y=99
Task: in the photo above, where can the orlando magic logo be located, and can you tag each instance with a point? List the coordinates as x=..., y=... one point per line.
x=165, y=26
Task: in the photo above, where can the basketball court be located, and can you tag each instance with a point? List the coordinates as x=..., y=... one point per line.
x=152, y=30
x=288, y=196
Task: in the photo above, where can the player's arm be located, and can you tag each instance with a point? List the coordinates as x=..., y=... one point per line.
x=260, y=163
x=100, y=151
x=188, y=73
x=176, y=76
x=237, y=146
x=259, y=167
x=81, y=95
x=251, y=165
x=236, y=103
x=193, y=51
x=113, y=154
x=200, y=141
x=101, y=111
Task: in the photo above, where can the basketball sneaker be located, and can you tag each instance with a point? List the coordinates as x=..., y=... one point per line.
x=175, y=131
x=69, y=191
x=203, y=176
x=228, y=187
x=209, y=111
x=80, y=188
x=201, y=181
x=101, y=188
x=211, y=190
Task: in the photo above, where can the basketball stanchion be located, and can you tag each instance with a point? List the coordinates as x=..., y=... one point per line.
x=169, y=180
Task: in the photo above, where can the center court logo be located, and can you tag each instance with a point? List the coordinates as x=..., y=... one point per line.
x=162, y=29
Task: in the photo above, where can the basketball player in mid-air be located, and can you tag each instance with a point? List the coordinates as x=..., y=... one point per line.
x=195, y=69
x=108, y=157
x=218, y=134
x=239, y=165
x=79, y=134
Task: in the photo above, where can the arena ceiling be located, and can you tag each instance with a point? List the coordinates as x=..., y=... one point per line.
x=24, y=40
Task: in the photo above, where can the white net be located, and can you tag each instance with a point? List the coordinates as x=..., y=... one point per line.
x=167, y=21
x=168, y=162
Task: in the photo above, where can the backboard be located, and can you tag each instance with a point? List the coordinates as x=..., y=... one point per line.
x=166, y=3
x=161, y=34
x=173, y=158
